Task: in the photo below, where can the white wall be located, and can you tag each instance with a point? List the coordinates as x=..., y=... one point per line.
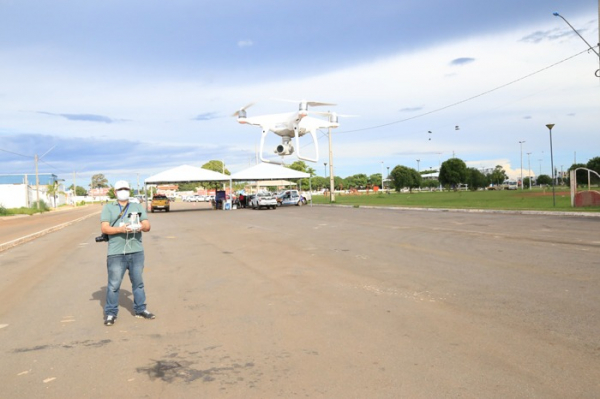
x=13, y=195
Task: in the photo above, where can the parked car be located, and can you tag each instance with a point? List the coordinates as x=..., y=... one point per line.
x=290, y=197
x=160, y=202
x=263, y=200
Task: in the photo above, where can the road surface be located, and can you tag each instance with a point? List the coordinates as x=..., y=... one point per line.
x=315, y=302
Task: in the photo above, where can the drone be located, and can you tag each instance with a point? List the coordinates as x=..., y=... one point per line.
x=288, y=126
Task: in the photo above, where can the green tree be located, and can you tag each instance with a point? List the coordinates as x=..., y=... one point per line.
x=476, y=179
x=358, y=181
x=594, y=164
x=403, y=176
x=216, y=166
x=582, y=175
x=544, y=179
x=79, y=191
x=498, y=175
x=430, y=183
x=187, y=186
x=53, y=191
x=99, y=180
x=453, y=172
x=301, y=166
x=374, y=180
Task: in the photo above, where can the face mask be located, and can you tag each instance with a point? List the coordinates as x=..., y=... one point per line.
x=123, y=195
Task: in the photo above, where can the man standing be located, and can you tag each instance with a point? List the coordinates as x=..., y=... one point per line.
x=124, y=222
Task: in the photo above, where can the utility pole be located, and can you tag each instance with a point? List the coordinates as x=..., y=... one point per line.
x=521, y=143
x=529, y=169
x=331, y=184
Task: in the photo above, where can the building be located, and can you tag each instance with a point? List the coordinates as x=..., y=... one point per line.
x=20, y=190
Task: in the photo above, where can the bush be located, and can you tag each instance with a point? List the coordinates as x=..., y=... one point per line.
x=3, y=211
x=40, y=206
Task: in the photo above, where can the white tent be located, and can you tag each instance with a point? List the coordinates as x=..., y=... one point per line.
x=267, y=171
x=186, y=174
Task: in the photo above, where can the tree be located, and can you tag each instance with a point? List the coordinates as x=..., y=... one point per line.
x=453, y=172
x=498, y=175
x=358, y=181
x=301, y=166
x=99, y=181
x=544, y=179
x=53, y=191
x=403, y=176
x=594, y=164
x=216, y=166
x=79, y=191
x=476, y=179
x=582, y=175
x=374, y=180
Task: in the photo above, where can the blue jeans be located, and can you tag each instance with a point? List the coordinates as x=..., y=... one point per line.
x=116, y=265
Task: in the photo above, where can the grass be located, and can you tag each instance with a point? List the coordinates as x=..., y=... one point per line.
x=23, y=210
x=538, y=200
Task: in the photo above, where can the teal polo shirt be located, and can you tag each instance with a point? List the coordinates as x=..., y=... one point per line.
x=123, y=243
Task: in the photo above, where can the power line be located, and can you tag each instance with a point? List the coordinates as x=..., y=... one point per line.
x=465, y=100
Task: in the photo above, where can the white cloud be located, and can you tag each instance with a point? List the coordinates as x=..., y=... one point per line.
x=245, y=43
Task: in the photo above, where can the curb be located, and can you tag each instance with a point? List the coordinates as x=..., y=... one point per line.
x=30, y=237
x=497, y=211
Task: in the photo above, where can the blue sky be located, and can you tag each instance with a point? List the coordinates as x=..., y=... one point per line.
x=129, y=89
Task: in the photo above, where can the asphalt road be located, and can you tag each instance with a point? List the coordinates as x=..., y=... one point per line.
x=315, y=302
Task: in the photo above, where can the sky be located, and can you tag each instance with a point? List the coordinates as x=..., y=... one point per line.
x=130, y=89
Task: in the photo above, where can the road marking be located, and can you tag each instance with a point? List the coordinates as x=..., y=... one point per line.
x=3, y=325
x=22, y=240
x=47, y=380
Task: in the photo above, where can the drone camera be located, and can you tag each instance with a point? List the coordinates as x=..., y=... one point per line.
x=284, y=149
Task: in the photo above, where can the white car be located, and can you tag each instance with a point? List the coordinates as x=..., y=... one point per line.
x=263, y=200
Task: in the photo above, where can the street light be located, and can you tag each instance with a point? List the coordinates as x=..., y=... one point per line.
x=382, y=175
x=550, y=126
x=521, y=143
x=418, y=163
x=325, y=169
x=529, y=169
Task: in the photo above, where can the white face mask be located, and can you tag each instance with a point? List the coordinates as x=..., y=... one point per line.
x=123, y=195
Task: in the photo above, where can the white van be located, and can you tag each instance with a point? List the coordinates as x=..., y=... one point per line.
x=510, y=185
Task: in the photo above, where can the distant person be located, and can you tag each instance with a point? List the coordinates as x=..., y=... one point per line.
x=124, y=222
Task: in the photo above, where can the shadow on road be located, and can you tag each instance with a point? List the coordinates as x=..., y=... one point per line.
x=125, y=299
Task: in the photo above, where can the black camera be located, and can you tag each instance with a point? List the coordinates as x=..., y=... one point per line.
x=102, y=238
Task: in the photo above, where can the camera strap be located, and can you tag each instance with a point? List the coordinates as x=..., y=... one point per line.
x=120, y=215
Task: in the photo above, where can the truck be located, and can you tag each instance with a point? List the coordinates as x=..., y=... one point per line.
x=160, y=202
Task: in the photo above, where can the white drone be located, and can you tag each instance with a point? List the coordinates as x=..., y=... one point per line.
x=290, y=125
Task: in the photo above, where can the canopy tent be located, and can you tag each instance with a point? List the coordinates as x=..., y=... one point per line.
x=186, y=174
x=267, y=171
x=271, y=183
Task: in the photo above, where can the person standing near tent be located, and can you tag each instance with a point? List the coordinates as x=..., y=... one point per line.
x=123, y=223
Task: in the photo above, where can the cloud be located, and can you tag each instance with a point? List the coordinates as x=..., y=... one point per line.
x=84, y=117
x=462, y=61
x=411, y=109
x=552, y=34
x=206, y=116
x=245, y=43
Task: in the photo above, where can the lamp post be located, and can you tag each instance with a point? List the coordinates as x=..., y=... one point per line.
x=382, y=175
x=550, y=126
x=521, y=143
x=529, y=169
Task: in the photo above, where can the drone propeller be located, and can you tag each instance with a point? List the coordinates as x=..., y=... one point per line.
x=242, y=111
x=305, y=104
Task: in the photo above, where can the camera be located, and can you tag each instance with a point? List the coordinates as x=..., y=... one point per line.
x=102, y=238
